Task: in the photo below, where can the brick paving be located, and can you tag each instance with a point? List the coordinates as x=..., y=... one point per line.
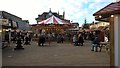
x=57, y=54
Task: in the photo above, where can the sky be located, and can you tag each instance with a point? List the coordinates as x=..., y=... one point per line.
x=75, y=10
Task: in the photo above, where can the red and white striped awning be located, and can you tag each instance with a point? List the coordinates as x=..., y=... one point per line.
x=53, y=20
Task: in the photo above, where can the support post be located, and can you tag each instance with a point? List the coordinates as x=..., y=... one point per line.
x=111, y=41
x=117, y=40
x=1, y=43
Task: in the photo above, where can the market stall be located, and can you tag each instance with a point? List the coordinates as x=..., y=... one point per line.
x=111, y=13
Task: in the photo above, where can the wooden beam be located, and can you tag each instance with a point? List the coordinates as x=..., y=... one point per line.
x=111, y=41
x=108, y=13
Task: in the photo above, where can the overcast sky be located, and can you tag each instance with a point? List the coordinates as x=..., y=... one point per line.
x=76, y=10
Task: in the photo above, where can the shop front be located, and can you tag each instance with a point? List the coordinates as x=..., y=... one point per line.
x=8, y=22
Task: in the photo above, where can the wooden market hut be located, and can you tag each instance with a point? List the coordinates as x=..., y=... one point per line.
x=111, y=13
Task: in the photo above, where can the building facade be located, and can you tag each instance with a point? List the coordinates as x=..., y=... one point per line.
x=13, y=22
x=46, y=15
x=9, y=23
x=12, y=19
x=99, y=25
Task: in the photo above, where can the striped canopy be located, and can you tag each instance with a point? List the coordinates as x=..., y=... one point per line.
x=53, y=20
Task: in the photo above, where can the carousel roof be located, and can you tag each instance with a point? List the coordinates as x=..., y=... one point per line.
x=53, y=20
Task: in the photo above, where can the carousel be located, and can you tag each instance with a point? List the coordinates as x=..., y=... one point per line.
x=52, y=25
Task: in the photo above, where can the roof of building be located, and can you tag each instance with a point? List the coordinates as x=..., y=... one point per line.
x=104, y=13
x=53, y=13
x=4, y=12
x=112, y=8
x=27, y=21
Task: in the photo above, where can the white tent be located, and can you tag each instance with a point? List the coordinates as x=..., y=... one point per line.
x=53, y=20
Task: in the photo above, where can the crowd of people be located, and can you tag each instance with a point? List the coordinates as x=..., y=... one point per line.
x=59, y=38
x=24, y=36
x=96, y=39
x=18, y=38
x=76, y=38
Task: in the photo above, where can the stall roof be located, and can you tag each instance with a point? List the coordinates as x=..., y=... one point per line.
x=113, y=8
x=104, y=13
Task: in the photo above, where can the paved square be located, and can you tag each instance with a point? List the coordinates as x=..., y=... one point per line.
x=57, y=54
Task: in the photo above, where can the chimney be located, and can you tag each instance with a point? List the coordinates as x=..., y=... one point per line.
x=50, y=10
x=58, y=12
x=85, y=21
x=64, y=15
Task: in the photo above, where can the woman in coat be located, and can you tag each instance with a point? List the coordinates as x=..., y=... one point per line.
x=75, y=40
x=80, y=40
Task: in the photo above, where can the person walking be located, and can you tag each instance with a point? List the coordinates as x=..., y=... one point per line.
x=49, y=38
x=26, y=40
x=19, y=43
x=95, y=44
x=41, y=40
x=58, y=38
x=80, y=40
x=75, y=40
x=62, y=38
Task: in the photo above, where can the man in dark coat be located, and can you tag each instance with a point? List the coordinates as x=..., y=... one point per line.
x=41, y=40
x=26, y=41
x=95, y=44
